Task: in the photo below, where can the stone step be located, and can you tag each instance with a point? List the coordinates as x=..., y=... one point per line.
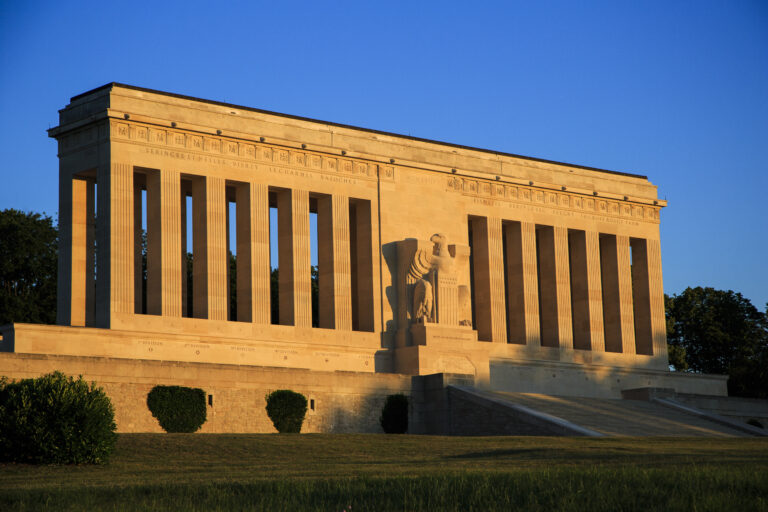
x=621, y=417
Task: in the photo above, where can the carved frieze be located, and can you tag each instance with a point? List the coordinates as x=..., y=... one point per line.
x=477, y=187
x=239, y=150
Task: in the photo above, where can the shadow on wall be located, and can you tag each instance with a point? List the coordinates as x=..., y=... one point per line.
x=356, y=413
x=389, y=252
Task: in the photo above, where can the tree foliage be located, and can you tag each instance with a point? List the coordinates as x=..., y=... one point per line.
x=55, y=419
x=394, y=414
x=177, y=408
x=716, y=331
x=28, y=267
x=286, y=409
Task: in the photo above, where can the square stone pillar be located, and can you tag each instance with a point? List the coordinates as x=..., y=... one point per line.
x=563, y=283
x=210, y=250
x=641, y=299
x=295, y=282
x=216, y=228
x=79, y=246
x=656, y=292
x=595, y=288
x=114, y=233
x=259, y=250
x=334, y=279
x=625, y=294
x=488, y=271
x=164, y=271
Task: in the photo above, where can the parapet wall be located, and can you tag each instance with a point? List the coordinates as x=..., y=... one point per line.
x=343, y=401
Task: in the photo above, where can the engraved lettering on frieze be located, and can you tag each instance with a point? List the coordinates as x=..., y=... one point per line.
x=232, y=148
x=329, y=164
x=265, y=154
x=298, y=159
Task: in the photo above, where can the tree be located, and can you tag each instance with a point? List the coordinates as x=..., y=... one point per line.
x=716, y=331
x=28, y=267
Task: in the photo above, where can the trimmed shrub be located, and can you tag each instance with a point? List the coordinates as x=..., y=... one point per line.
x=177, y=408
x=55, y=419
x=394, y=414
x=286, y=409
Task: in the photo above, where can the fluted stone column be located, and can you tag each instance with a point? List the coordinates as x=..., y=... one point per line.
x=595, y=287
x=641, y=300
x=656, y=292
x=625, y=294
x=114, y=233
x=563, y=282
x=216, y=227
x=488, y=263
x=259, y=249
x=334, y=279
x=164, y=292
x=210, y=250
x=295, y=258
x=80, y=280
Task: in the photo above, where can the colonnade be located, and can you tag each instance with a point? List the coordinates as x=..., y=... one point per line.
x=551, y=286
x=345, y=259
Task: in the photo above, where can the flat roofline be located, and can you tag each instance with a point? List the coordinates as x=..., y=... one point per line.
x=340, y=125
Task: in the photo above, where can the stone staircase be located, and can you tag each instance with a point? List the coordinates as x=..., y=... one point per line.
x=621, y=417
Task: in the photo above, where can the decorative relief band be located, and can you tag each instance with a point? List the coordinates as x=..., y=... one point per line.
x=230, y=149
x=560, y=200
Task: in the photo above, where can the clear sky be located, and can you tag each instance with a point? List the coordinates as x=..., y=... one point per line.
x=677, y=91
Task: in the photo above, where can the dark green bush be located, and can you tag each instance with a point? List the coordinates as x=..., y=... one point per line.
x=394, y=414
x=286, y=409
x=55, y=419
x=177, y=408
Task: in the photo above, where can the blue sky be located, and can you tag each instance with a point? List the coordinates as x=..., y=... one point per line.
x=677, y=91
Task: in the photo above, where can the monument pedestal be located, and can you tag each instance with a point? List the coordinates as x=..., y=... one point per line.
x=442, y=349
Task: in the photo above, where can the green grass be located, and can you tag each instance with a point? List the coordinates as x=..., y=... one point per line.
x=379, y=472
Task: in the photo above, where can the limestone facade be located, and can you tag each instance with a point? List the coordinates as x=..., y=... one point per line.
x=432, y=257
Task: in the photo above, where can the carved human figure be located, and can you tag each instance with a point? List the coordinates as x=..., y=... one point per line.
x=422, y=301
x=465, y=306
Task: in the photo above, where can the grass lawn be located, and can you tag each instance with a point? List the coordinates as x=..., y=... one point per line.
x=378, y=472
